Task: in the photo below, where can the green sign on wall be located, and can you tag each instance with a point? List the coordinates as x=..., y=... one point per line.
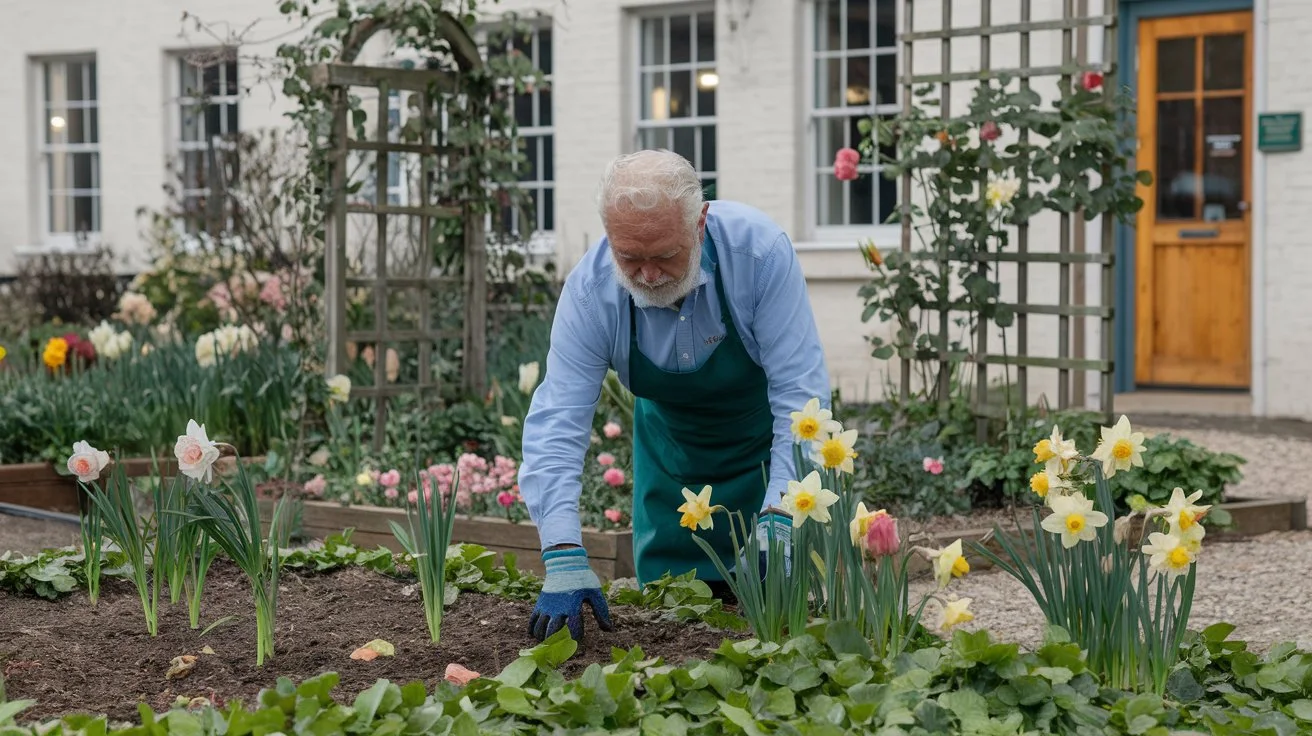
x=1280, y=131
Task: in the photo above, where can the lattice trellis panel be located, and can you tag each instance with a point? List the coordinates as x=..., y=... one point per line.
x=1071, y=256
x=382, y=241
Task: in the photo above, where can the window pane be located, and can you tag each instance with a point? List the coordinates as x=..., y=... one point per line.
x=705, y=37
x=77, y=84
x=524, y=109
x=829, y=139
x=548, y=209
x=75, y=129
x=828, y=83
x=1223, y=158
x=861, y=210
x=887, y=196
x=885, y=23
x=857, y=92
x=232, y=126
x=544, y=50
x=193, y=170
x=1223, y=62
x=653, y=41
x=84, y=171
x=210, y=82
x=681, y=94
x=886, y=79
x=528, y=168
x=1175, y=180
x=707, y=82
x=680, y=39
x=708, y=162
x=548, y=158
x=858, y=24
x=829, y=25
x=829, y=200
x=1176, y=64
x=190, y=124
x=190, y=82
x=57, y=125
x=685, y=142
x=213, y=121
x=654, y=138
x=230, y=78
x=655, y=98
x=93, y=96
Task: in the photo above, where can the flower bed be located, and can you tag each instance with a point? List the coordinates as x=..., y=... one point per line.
x=42, y=486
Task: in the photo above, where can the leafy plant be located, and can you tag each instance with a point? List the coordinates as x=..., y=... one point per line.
x=431, y=521
x=123, y=526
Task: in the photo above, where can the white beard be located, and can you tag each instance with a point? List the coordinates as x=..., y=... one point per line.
x=667, y=292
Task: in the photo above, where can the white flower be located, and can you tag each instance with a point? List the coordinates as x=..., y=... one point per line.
x=1168, y=554
x=1120, y=448
x=1182, y=513
x=196, y=453
x=807, y=500
x=100, y=336
x=117, y=345
x=339, y=388
x=1074, y=519
x=206, y=350
x=87, y=462
x=528, y=377
x=837, y=451
x=1001, y=191
x=813, y=423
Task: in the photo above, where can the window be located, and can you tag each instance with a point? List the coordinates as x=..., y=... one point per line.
x=70, y=148
x=536, y=132
x=854, y=68
x=207, y=101
x=676, y=83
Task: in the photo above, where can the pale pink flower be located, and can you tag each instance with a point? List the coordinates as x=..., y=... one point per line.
x=845, y=162
x=87, y=462
x=612, y=430
x=989, y=131
x=881, y=536
x=412, y=497
x=271, y=292
x=196, y=453
x=613, y=515
x=613, y=476
x=933, y=466
x=391, y=494
x=316, y=485
x=390, y=479
x=606, y=459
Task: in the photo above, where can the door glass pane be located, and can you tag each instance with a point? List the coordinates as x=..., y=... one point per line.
x=1176, y=63
x=886, y=79
x=1223, y=158
x=1223, y=62
x=1176, y=182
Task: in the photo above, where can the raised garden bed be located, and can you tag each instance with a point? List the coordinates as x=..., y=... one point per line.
x=611, y=552
x=42, y=486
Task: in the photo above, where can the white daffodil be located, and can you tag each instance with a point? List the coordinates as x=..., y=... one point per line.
x=196, y=453
x=949, y=563
x=807, y=500
x=528, y=377
x=339, y=389
x=1074, y=519
x=87, y=462
x=837, y=451
x=813, y=423
x=1182, y=513
x=1120, y=448
x=954, y=614
x=1056, y=453
x=1168, y=554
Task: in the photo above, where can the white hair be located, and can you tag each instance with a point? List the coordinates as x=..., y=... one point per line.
x=647, y=181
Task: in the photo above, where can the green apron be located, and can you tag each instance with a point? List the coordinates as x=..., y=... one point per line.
x=712, y=426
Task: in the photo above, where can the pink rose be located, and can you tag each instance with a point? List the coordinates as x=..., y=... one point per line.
x=989, y=131
x=612, y=430
x=613, y=476
x=881, y=536
x=506, y=499
x=845, y=162
x=606, y=459
x=613, y=515
x=391, y=494
x=933, y=466
x=1091, y=81
x=845, y=172
x=847, y=156
x=390, y=479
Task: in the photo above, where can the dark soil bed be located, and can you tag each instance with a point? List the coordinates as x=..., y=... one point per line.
x=70, y=657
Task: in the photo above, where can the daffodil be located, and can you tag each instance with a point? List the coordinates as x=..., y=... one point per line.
x=837, y=451
x=1056, y=452
x=954, y=614
x=1192, y=538
x=860, y=523
x=807, y=500
x=1074, y=519
x=1168, y=554
x=696, y=510
x=813, y=423
x=364, y=479
x=949, y=563
x=1047, y=483
x=3, y=352
x=1182, y=513
x=1120, y=448
x=1000, y=192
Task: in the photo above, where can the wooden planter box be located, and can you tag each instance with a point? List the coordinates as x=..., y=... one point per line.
x=610, y=552
x=40, y=486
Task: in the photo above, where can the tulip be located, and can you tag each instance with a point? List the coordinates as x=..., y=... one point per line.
x=881, y=536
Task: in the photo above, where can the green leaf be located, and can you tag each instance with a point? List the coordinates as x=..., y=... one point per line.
x=699, y=702
x=518, y=672
x=844, y=638
x=662, y=725
x=367, y=702
x=12, y=708
x=742, y=719
x=781, y=702
x=1182, y=686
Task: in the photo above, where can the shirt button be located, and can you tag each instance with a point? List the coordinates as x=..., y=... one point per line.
x=682, y=318
x=685, y=356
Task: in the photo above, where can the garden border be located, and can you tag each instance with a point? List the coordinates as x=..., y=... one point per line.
x=42, y=486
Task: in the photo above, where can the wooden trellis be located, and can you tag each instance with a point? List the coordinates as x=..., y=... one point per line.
x=432, y=294
x=1071, y=257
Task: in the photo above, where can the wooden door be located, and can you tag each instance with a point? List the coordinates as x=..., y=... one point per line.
x=1192, y=242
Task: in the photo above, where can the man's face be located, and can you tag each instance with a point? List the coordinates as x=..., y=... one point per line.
x=657, y=257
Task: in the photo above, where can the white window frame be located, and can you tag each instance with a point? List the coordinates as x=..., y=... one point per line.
x=829, y=237
x=178, y=100
x=52, y=241
x=693, y=66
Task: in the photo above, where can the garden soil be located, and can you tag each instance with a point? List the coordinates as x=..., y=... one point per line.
x=70, y=657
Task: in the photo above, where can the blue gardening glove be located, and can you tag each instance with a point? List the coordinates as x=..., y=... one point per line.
x=780, y=525
x=570, y=582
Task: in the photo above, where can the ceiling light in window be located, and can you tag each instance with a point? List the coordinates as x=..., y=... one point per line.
x=56, y=122
x=858, y=95
x=708, y=80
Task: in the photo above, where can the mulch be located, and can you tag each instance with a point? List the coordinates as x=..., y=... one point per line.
x=73, y=658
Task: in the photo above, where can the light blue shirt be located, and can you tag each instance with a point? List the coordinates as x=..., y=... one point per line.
x=767, y=295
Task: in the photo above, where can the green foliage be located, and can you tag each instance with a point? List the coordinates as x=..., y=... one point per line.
x=684, y=598
x=426, y=541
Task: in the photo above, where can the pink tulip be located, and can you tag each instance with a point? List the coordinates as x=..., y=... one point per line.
x=989, y=131
x=606, y=459
x=881, y=536
x=1091, y=81
x=506, y=499
x=612, y=430
x=413, y=497
x=933, y=466
x=613, y=476
x=613, y=515
x=390, y=479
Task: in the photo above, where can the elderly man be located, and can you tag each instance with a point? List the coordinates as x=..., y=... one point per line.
x=702, y=310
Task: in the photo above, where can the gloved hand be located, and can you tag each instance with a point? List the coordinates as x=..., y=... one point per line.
x=780, y=525
x=570, y=582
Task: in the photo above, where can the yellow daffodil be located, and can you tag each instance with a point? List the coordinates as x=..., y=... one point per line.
x=696, y=510
x=837, y=451
x=1192, y=538
x=1047, y=483
x=1168, y=554
x=949, y=563
x=1000, y=192
x=1055, y=452
x=807, y=500
x=813, y=423
x=1182, y=513
x=363, y=479
x=1120, y=448
x=1074, y=519
x=954, y=614
x=860, y=523
x=3, y=353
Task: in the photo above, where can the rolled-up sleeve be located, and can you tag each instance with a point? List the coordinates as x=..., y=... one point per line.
x=791, y=354
x=558, y=428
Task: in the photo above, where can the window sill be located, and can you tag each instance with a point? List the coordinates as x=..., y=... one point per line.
x=89, y=246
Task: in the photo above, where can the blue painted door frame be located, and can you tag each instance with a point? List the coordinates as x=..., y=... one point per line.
x=1127, y=41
